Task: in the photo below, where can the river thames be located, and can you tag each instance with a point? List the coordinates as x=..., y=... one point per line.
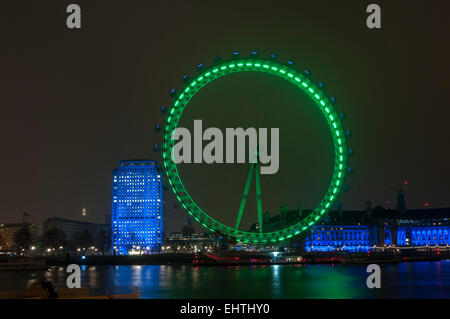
x=404, y=280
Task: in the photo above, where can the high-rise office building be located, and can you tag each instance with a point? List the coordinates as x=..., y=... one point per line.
x=136, y=217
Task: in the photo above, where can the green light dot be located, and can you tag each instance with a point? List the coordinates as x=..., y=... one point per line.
x=200, y=78
x=282, y=71
x=215, y=70
x=208, y=74
x=297, y=79
x=274, y=68
x=224, y=67
x=290, y=75
x=322, y=102
x=265, y=66
x=317, y=96
x=248, y=64
x=304, y=84
x=232, y=65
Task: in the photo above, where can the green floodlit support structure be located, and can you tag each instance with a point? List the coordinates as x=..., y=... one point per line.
x=244, y=196
x=253, y=168
x=256, y=64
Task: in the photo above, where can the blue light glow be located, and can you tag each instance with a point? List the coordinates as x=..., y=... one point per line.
x=136, y=208
x=333, y=238
x=422, y=236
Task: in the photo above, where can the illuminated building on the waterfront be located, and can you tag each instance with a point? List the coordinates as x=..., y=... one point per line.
x=189, y=243
x=137, y=208
x=380, y=227
x=363, y=230
x=8, y=234
x=348, y=238
x=423, y=227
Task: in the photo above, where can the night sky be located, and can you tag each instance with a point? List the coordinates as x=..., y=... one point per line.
x=75, y=102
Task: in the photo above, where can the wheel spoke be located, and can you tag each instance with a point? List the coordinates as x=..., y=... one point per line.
x=245, y=195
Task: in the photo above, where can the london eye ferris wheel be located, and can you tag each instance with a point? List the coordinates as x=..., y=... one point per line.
x=302, y=81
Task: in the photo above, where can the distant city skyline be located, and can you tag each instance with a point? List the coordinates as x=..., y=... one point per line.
x=75, y=103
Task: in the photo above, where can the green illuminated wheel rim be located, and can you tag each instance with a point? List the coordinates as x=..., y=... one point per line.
x=254, y=64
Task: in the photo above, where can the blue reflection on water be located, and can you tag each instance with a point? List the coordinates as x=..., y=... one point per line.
x=404, y=280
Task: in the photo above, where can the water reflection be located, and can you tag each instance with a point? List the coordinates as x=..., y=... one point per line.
x=405, y=280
